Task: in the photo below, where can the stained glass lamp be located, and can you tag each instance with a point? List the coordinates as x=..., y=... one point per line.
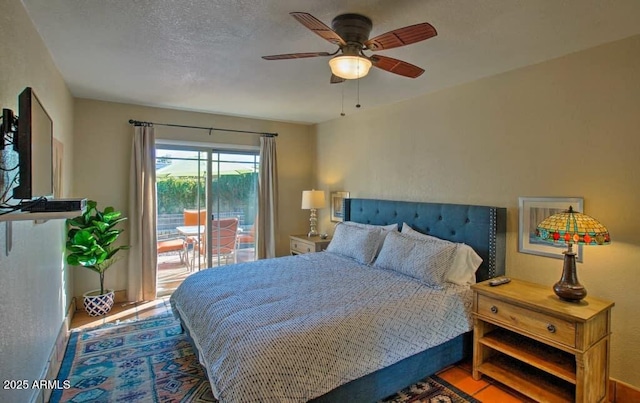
x=571, y=227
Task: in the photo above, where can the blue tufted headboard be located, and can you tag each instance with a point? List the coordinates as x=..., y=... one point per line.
x=481, y=227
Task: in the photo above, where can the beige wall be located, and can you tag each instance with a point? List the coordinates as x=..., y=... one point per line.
x=35, y=288
x=103, y=139
x=568, y=127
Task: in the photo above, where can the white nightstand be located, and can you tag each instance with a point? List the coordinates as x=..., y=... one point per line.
x=299, y=244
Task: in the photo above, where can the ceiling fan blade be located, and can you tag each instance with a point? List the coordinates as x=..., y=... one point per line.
x=318, y=27
x=336, y=80
x=396, y=66
x=295, y=55
x=402, y=36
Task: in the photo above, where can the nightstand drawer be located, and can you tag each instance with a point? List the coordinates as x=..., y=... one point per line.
x=301, y=244
x=302, y=247
x=540, y=324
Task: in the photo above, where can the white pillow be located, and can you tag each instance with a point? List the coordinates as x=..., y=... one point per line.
x=465, y=263
x=390, y=227
x=354, y=242
x=421, y=259
x=384, y=228
x=407, y=230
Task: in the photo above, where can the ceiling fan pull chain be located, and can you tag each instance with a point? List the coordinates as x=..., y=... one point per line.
x=342, y=111
x=358, y=95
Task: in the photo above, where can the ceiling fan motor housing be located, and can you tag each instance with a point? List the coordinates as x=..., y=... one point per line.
x=351, y=33
x=353, y=28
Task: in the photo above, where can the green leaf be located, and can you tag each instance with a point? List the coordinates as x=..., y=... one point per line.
x=76, y=222
x=83, y=238
x=102, y=267
x=119, y=220
x=100, y=225
x=110, y=238
x=119, y=248
x=78, y=248
x=72, y=260
x=101, y=256
x=86, y=260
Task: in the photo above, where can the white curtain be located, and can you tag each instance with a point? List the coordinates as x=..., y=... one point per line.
x=143, y=256
x=267, y=199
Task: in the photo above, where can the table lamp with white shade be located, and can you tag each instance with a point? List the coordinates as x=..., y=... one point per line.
x=313, y=200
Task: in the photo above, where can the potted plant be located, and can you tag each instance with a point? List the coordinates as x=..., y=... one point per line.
x=90, y=239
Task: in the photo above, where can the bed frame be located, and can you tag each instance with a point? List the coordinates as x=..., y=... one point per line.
x=481, y=227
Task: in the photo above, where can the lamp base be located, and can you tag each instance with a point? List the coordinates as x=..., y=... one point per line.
x=569, y=288
x=313, y=220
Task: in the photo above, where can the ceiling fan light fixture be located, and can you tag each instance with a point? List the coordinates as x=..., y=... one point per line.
x=350, y=67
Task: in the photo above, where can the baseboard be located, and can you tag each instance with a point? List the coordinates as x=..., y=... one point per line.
x=57, y=353
x=623, y=392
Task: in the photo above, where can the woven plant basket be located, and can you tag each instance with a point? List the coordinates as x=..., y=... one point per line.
x=97, y=304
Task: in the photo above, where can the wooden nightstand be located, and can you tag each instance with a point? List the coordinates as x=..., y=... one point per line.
x=300, y=244
x=545, y=348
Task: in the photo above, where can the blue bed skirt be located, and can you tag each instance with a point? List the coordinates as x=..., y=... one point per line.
x=396, y=377
x=389, y=380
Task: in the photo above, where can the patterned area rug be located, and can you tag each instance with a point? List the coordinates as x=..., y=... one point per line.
x=152, y=361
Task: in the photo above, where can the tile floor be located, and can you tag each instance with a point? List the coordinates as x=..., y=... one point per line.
x=484, y=390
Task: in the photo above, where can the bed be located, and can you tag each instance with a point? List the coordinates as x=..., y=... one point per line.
x=240, y=318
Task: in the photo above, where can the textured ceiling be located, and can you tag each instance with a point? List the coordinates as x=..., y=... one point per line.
x=204, y=55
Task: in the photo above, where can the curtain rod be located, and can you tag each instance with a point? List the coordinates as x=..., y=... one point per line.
x=141, y=123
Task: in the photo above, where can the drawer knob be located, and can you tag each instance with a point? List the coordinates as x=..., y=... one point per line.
x=494, y=309
x=551, y=328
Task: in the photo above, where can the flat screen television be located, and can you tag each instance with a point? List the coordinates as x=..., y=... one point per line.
x=34, y=145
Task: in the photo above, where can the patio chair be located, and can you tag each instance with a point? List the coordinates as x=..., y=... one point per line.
x=172, y=245
x=224, y=236
x=191, y=217
x=180, y=245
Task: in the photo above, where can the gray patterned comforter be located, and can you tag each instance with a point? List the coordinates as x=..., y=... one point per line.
x=293, y=328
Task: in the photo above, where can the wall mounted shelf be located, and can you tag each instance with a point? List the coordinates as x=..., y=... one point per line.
x=38, y=216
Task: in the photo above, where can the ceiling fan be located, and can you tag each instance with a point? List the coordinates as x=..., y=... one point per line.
x=351, y=33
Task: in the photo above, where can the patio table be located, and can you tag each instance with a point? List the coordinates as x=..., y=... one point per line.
x=190, y=232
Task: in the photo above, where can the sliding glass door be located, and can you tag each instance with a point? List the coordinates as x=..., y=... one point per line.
x=233, y=203
x=207, y=209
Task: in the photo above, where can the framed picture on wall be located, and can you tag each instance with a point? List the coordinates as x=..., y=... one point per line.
x=337, y=205
x=58, y=154
x=532, y=210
